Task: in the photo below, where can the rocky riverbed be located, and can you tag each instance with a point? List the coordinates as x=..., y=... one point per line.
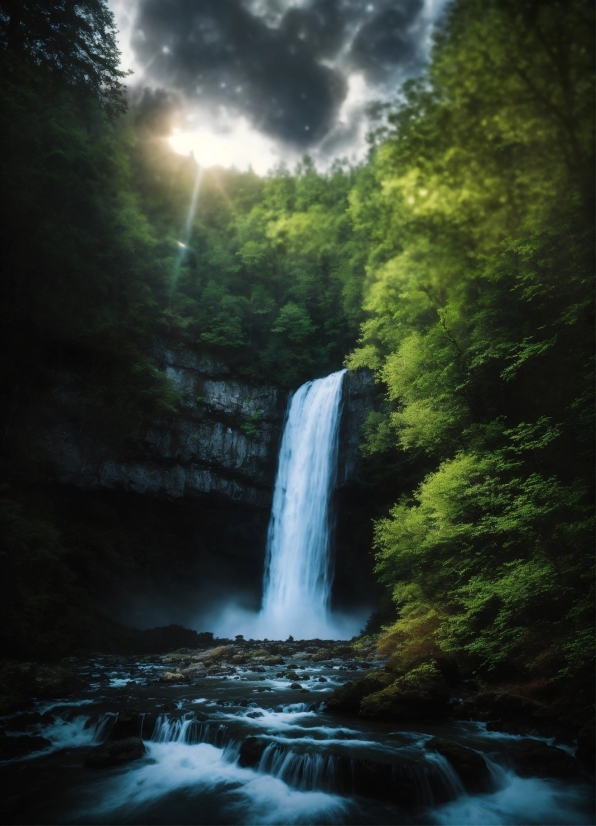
x=314, y=731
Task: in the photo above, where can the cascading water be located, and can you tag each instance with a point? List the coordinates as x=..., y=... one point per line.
x=297, y=582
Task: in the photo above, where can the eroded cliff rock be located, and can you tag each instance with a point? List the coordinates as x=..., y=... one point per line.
x=224, y=441
x=358, y=399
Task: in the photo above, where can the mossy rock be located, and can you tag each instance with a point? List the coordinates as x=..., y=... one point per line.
x=420, y=693
x=176, y=657
x=221, y=652
x=347, y=698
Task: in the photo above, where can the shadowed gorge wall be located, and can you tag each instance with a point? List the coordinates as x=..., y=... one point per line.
x=183, y=504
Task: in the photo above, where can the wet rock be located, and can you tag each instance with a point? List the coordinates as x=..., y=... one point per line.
x=194, y=672
x=251, y=752
x=395, y=781
x=291, y=675
x=254, y=715
x=217, y=654
x=534, y=758
x=20, y=682
x=422, y=692
x=23, y=721
x=585, y=747
x=470, y=765
x=296, y=686
x=54, y=681
x=221, y=670
x=323, y=679
x=115, y=752
x=173, y=677
x=11, y=747
x=132, y=723
x=347, y=698
x=510, y=713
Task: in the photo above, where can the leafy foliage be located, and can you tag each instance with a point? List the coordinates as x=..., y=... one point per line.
x=480, y=314
x=75, y=41
x=462, y=250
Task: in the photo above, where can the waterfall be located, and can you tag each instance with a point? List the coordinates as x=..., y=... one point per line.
x=297, y=581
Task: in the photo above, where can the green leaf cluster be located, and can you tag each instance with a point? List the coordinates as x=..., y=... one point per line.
x=479, y=297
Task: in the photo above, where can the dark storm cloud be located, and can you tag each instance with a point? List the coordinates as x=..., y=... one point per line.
x=288, y=76
x=388, y=39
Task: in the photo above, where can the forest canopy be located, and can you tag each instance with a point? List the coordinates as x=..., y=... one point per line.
x=456, y=263
x=480, y=325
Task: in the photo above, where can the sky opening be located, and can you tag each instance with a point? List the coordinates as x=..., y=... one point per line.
x=256, y=83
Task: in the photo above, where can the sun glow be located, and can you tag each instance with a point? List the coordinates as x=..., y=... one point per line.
x=239, y=146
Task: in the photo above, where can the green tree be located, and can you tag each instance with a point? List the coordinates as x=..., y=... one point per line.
x=479, y=299
x=75, y=41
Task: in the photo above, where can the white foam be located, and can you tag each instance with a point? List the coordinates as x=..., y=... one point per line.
x=44, y=708
x=530, y=801
x=250, y=798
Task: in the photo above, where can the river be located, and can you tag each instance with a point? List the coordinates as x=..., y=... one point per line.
x=308, y=763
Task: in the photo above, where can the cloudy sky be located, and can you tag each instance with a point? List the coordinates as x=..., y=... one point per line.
x=256, y=82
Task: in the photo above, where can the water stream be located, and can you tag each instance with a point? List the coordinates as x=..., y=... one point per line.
x=297, y=582
x=313, y=768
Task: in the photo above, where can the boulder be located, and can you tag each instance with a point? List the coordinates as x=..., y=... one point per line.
x=132, y=723
x=470, y=765
x=347, y=698
x=296, y=686
x=22, y=721
x=421, y=693
x=115, y=752
x=217, y=654
x=585, y=747
x=54, y=681
x=21, y=681
x=534, y=758
x=510, y=713
x=221, y=670
x=194, y=672
x=173, y=677
x=11, y=747
x=397, y=781
x=251, y=752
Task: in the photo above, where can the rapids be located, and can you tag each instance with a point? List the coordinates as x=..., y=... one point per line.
x=309, y=767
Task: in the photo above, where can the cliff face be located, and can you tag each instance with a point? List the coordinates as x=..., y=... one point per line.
x=358, y=399
x=224, y=442
x=187, y=500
